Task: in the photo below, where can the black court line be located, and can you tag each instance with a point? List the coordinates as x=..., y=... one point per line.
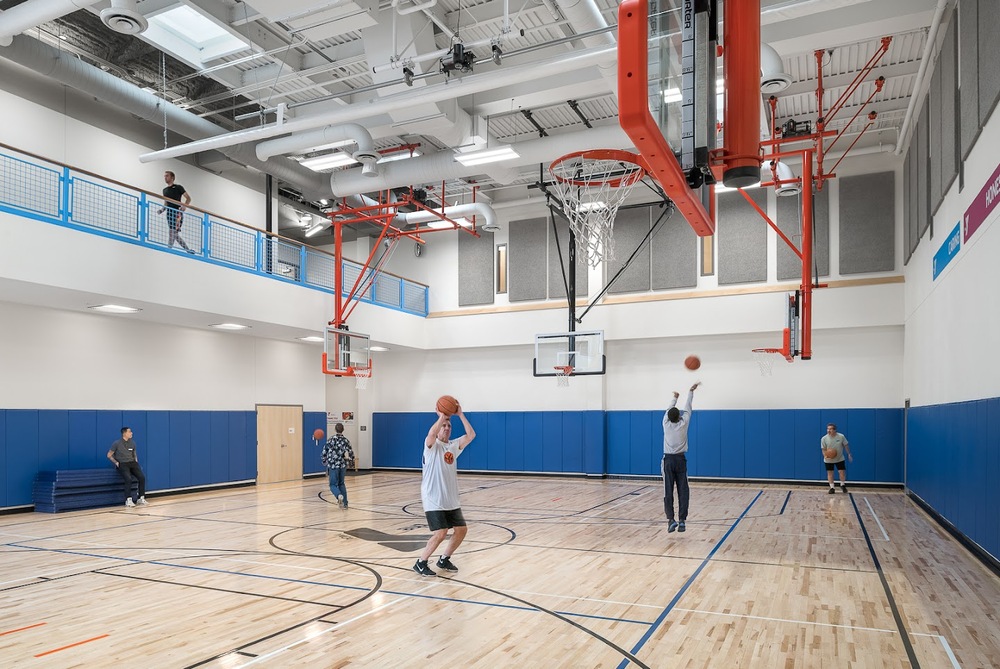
x=680, y=593
x=904, y=635
x=787, y=497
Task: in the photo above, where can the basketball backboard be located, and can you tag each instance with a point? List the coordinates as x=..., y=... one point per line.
x=345, y=353
x=583, y=352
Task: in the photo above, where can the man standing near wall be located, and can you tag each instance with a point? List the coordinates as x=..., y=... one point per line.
x=123, y=455
x=675, y=445
x=834, y=444
x=177, y=198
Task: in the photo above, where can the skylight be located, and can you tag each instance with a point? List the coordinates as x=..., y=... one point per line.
x=191, y=36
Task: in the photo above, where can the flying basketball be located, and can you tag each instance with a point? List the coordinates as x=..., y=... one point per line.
x=830, y=453
x=447, y=405
x=692, y=362
x=318, y=434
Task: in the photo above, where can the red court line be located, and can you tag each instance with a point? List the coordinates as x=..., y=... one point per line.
x=21, y=629
x=78, y=643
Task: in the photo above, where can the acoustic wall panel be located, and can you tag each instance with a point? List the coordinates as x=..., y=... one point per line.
x=935, y=121
x=674, y=253
x=742, y=237
x=557, y=285
x=475, y=269
x=907, y=189
x=949, y=108
x=526, y=256
x=867, y=223
x=914, y=198
x=631, y=226
x=968, y=75
x=989, y=56
x=923, y=173
x=788, y=220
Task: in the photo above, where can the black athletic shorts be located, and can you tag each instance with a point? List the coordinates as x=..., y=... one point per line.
x=442, y=520
x=839, y=465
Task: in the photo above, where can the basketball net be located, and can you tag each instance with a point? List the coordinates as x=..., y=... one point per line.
x=361, y=376
x=592, y=185
x=562, y=377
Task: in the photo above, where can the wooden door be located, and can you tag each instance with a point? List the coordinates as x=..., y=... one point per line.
x=279, y=443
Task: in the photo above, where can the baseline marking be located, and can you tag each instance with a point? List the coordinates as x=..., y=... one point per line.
x=875, y=516
x=72, y=645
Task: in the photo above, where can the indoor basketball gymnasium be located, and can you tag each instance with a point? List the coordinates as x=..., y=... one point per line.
x=669, y=319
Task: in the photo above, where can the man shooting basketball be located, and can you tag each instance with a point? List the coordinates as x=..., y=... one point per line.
x=439, y=490
x=675, y=445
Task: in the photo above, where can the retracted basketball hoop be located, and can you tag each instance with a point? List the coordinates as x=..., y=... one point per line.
x=592, y=185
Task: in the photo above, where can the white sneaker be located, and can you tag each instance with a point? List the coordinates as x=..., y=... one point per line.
x=129, y=503
x=340, y=501
x=142, y=502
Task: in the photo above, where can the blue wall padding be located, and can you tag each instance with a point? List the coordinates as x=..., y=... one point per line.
x=754, y=444
x=177, y=449
x=312, y=449
x=953, y=464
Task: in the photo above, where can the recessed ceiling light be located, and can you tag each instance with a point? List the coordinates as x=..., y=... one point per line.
x=378, y=348
x=229, y=326
x=114, y=309
x=310, y=338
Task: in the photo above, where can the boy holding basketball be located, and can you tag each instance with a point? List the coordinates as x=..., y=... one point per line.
x=834, y=445
x=439, y=490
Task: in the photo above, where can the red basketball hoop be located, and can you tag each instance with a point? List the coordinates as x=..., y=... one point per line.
x=592, y=185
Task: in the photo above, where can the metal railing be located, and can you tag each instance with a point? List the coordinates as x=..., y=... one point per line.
x=35, y=187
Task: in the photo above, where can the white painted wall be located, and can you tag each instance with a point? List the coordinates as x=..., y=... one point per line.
x=952, y=323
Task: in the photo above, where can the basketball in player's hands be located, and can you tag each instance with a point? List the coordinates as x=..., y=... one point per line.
x=447, y=405
x=830, y=453
x=692, y=362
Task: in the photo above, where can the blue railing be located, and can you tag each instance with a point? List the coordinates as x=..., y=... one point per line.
x=34, y=187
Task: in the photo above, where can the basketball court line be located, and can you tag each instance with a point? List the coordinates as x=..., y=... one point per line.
x=875, y=516
x=787, y=497
x=687, y=584
x=73, y=645
x=21, y=629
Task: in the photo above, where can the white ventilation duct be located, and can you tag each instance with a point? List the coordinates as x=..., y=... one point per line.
x=785, y=174
x=33, y=13
x=474, y=83
x=482, y=209
x=123, y=17
x=773, y=78
x=73, y=72
x=585, y=16
x=347, y=132
x=443, y=166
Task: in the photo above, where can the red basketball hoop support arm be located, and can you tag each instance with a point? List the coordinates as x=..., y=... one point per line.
x=807, y=254
x=638, y=123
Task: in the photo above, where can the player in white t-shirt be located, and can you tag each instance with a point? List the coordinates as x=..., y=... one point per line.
x=439, y=491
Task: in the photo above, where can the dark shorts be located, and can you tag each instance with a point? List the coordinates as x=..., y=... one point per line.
x=839, y=465
x=442, y=520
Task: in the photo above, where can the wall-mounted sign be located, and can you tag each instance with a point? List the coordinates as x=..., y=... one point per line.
x=948, y=250
x=981, y=207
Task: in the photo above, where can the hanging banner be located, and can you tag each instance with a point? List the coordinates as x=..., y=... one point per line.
x=981, y=207
x=949, y=249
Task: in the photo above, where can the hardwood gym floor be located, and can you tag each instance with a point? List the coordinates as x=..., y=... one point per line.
x=554, y=573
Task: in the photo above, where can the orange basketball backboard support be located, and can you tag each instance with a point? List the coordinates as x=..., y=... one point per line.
x=639, y=124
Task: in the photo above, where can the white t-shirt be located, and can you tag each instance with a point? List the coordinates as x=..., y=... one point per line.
x=837, y=442
x=439, y=489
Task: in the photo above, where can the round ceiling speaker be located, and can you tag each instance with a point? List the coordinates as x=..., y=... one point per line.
x=124, y=21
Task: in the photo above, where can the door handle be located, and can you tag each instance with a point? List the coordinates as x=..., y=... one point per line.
x=283, y=445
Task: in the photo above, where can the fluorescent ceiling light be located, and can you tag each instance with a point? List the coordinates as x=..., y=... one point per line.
x=319, y=227
x=229, y=326
x=329, y=161
x=378, y=348
x=438, y=224
x=398, y=155
x=590, y=206
x=672, y=95
x=114, y=309
x=488, y=156
x=310, y=338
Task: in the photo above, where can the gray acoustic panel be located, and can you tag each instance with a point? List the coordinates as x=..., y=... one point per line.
x=968, y=74
x=631, y=226
x=526, y=255
x=868, y=223
x=742, y=237
x=934, y=136
x=557, y=285
x=788, y=219
x=923, y=175
x=949, y=107
x=907, y=189
x=989, y=56
x=912, y=225
x=475, y=269
x=674, y=249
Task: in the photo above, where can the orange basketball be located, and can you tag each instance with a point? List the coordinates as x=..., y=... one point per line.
x=830, y=453
x=447, y=405
x=318, y=434
x=692, y=362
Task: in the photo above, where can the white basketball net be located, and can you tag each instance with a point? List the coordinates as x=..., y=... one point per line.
x=562, y=377
x=361, y=376
x=592, y=185
x=765, y=358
